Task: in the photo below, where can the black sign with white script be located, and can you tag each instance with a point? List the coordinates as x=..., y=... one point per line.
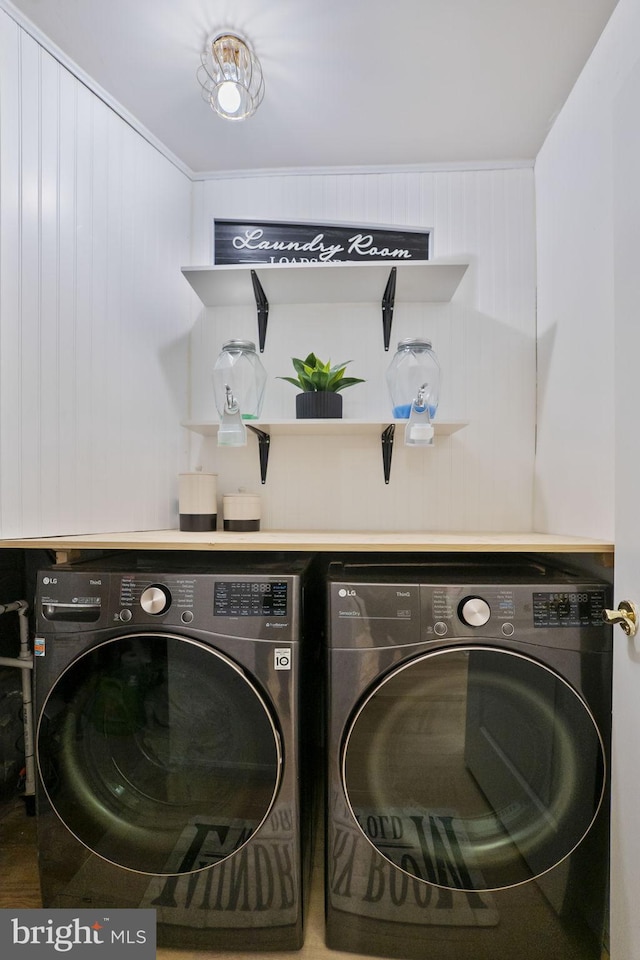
x=260, y=241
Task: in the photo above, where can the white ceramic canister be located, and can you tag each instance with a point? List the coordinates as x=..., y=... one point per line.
x=198, y=501
x=241, y=512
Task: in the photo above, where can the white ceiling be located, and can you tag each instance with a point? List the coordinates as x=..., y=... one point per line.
x=348, y=82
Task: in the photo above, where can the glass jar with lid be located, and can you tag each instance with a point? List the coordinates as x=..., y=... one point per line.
x=238, y=369
x=414, y=372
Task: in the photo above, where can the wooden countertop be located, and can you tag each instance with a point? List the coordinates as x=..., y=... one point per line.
x=319, y=541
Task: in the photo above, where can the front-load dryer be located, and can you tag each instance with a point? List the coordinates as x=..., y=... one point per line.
x=169, y=703
x=469, y=711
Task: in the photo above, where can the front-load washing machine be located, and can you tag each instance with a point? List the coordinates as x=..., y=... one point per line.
x=469, y=712
x=170, y=702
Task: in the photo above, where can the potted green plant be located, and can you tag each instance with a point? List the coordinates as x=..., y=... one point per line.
x=320, y=384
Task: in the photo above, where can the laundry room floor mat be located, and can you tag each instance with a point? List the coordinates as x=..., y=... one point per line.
x=385, y=892
x=259, y=875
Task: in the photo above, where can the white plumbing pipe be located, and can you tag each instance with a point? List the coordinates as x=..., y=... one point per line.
x=24, y=662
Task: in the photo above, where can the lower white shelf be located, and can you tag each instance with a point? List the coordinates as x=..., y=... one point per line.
x=341, y=427
x=385, y=429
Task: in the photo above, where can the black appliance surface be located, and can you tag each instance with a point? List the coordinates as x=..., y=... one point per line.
x=469, y=713
x=170, y=746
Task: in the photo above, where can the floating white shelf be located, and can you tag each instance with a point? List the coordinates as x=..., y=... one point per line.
x=384, y=429
x=338, y=427
x=417, y=281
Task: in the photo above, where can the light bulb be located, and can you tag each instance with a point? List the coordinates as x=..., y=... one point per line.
x=229, y=97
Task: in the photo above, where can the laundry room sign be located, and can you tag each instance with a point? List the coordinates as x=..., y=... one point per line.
x=263, y=241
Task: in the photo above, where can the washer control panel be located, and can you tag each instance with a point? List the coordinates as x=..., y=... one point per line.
x=154, y=597
x=251, y=606
x=250, y=598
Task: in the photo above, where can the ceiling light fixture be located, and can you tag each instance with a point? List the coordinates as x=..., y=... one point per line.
x=231, y=77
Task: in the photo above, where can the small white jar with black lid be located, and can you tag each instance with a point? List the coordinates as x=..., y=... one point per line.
x=241, y=512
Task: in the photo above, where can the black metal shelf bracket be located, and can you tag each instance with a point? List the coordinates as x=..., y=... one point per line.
x=264, y=441
x=262, y=306
x=387, y=449
x=388, y=303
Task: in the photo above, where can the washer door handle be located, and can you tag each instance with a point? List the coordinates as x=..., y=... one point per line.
x=626, y=615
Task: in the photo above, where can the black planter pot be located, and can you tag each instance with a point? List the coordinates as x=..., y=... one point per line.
x=318, y=406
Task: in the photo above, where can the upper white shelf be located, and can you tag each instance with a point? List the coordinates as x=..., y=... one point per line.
x=416, y=281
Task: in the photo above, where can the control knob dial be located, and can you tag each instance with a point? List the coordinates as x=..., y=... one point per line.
x=155, y=599
x=474, y=611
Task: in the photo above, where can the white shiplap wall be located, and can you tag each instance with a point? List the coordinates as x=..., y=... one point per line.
x=94, y=226
x=479, y=479
x=96, y=354
x=575, y=187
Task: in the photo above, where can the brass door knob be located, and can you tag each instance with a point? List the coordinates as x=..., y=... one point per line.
x=626, y=615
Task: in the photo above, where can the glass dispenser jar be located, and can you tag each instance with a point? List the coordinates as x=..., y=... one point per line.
x=238, y=370
x=413, y=373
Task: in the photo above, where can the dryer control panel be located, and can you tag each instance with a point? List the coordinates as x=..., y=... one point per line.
x=522, y=612
x=563, y=608
x=562, y=614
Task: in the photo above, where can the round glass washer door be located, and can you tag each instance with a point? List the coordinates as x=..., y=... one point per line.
x=146, y=735
x=473, y=768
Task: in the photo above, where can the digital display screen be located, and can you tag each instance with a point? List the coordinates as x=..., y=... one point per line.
x=568, y=609
x=250, y=598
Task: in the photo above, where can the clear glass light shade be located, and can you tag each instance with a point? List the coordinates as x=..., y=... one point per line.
x=231, y=77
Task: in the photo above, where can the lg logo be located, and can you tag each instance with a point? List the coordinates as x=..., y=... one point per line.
x=47, y=580
x=346, y=593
